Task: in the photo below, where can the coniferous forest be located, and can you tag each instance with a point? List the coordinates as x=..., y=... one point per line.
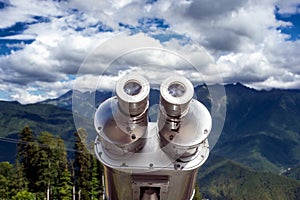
x=42, y=170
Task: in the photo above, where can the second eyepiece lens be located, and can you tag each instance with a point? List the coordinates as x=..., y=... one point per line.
x=176, y=89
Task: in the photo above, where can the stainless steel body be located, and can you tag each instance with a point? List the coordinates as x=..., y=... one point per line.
x=126, y=175
x=157, y=160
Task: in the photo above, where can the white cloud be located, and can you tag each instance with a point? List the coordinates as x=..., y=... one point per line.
x=144, y=55
x=287, y=81
x=288, y=6
x=242, y=36
x=247, y=67
x=24, y=11
x=54, y=53
x=240, y=39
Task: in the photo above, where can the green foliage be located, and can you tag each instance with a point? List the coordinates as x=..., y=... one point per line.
x=4, y=187
x=65, y=185
x=5, y=179
x=20, y=182
x=6, y=169
x=26, y=150
x=96, y=179
x=51, y=167
x=24, y=195
x=25, y=147
x=44, y=167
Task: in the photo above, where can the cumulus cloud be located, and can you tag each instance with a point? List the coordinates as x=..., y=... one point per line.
x=142, y=54
x=239, y=39
x=243, y=36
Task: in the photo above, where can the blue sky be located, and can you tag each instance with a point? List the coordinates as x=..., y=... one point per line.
x=44, y=43
x=293, y=30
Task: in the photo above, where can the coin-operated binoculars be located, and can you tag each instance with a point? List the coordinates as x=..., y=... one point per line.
x=151, y=160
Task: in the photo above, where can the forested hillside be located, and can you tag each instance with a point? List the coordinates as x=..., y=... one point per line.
x=43, y=170
x=14, y=116
x=223, y=179
x=261, y=129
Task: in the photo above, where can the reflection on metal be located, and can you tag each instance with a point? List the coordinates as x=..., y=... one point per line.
x=157, y=160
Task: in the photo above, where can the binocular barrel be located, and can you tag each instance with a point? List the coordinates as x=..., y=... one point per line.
x=183, y=122
x=122, y=121
x=151, y=160
x=132, y=93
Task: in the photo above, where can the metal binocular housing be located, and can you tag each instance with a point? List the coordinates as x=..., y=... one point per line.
x=151, y=160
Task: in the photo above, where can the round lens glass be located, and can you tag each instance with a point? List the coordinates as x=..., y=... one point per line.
x=132, y=88
x=176, y=90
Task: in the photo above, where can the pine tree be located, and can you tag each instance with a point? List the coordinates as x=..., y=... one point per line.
x=26, y=149
x=52, y=167
x=63, y=183
x=26, y=139
x=43, y=174
x=42, y=167
x=82, y=167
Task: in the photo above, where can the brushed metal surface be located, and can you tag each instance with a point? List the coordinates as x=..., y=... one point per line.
x=151, y=160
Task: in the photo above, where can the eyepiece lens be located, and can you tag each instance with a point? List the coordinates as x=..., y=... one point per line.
x=176, y=90
x=132, y=88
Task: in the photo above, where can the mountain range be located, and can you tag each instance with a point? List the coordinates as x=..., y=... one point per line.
x=259, y=144
x=261, y=128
